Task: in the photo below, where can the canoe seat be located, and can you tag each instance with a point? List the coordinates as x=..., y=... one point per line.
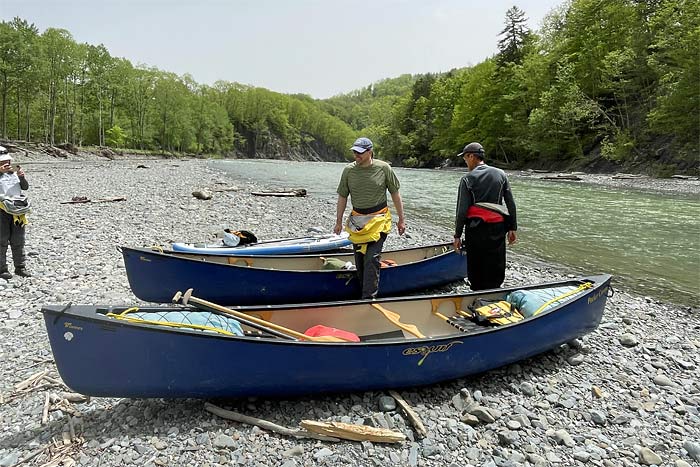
x=240, y=261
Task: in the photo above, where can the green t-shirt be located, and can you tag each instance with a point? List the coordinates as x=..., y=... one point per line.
x=367, y=186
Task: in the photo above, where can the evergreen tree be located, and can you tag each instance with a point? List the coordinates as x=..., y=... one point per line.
x=515, y=36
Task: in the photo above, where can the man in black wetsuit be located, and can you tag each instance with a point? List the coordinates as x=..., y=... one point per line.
x=485, y=215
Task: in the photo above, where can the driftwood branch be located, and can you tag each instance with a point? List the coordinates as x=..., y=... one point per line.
x=562, y=177
x=410, y=413
x=31, y=380
x=297, y=192
x=83, y=199
x=236, y=417
x=31, y=455
x=45, y=412
x=230, y=188
x=354, y=432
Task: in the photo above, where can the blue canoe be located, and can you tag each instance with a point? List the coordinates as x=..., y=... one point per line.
x=284, y=246
x=155, y=276
x=101, y=355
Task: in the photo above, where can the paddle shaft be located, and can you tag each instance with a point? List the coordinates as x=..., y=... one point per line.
x=262, y=322
x=247, y=322
x=275, y=240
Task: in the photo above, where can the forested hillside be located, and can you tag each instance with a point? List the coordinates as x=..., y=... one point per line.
x=603, y=85
x=55, y=90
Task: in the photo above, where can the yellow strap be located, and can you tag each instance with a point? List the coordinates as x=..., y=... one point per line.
x=19, y=219
x=584, y=286
x=122, y=316
x=157, y=248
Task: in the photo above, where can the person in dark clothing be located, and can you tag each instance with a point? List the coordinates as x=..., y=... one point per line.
x=13, y=206
x=486, y=215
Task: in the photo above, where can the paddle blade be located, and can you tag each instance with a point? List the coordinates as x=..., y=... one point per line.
x=396, y=319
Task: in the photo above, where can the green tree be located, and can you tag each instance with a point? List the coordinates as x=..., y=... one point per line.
x=116, y=137
x=514, y=37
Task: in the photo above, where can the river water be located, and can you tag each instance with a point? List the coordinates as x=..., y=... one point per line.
x=650, y=242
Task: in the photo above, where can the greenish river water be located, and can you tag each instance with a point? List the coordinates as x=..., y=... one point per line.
x=650, y=242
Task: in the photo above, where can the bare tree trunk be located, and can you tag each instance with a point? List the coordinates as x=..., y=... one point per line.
x=80, y=108
x=111, y=108
x=99, y=125
x=66, y=110
x=19, y=115
x=52, y=112
x=162, y=134
x=28, y=115
x=4, y=105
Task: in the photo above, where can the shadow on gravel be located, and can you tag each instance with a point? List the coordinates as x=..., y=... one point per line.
x=109, y=420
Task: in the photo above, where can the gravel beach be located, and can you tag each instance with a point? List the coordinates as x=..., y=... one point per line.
x=627, y=394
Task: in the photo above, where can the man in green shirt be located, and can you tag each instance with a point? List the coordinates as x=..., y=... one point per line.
x=366, y=182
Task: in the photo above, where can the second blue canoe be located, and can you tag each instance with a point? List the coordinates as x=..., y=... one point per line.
x=155, y=276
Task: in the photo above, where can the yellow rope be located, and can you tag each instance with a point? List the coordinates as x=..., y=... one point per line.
x=157, y=248
x=200, y=327
x=584, y=286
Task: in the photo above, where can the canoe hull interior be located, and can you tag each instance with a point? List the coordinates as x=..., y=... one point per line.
x=101, y=357
x=156, y=277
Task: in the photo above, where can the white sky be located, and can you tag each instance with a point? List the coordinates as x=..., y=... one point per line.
x=316, y=47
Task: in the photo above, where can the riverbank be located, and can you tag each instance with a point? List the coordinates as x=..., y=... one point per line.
x=41, y=153
x=626, y=394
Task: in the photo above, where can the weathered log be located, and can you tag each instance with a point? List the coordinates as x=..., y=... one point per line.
x=561, y=177
x=410, y=413
x=236, y=417
x=354, y=432
x=299, y=192
x=84, y=199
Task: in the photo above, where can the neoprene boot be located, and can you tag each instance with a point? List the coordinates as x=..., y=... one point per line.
x=22, y=271
x=4, y=273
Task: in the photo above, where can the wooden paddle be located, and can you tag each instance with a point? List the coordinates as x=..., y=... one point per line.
x=259, y=327
x=395, y=318
x=187, y=298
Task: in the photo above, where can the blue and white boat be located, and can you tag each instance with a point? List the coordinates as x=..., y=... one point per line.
x=283, y=246
x=269, y=351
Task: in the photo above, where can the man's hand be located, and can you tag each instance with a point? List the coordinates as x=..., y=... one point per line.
x=20, y=172
x=337, y=228
x=512, y=237
x=401, y=226
x=457, y=244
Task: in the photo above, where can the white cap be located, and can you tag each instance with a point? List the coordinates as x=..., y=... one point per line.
x=4, y=156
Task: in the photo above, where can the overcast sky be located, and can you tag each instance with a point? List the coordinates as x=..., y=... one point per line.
x=316, y=47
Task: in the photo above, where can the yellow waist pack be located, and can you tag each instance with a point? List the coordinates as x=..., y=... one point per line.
x=496, y=313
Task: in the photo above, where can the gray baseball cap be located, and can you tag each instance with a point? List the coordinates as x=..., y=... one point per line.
x=472, y=148
x=361, y=145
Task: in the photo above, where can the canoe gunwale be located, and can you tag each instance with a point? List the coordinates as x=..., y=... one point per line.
x=100, y=318
x=195, y=257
